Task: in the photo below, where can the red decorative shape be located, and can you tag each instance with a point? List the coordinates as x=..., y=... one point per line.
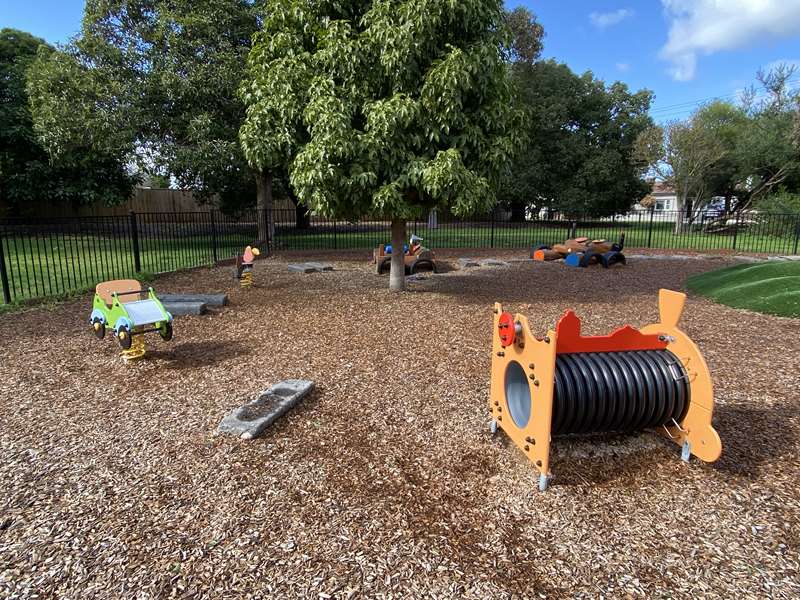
x=507, y=329
x=569, y=339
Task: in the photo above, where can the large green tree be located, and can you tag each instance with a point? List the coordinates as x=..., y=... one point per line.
x=388, y=107
x=158, y=81
x=27, y=174
x=581, y=137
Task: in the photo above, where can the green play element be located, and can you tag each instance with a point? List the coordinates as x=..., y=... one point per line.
x=771, y=287
x=130, y=318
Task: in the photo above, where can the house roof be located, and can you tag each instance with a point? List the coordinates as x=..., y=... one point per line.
x=660, y=187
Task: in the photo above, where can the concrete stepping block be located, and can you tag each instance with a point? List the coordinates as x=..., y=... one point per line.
x=207, y=299
x=181, y=309
x=321, y=267
x=252, y=419
x=301, y=268
x=466, y=263
x=493, y=262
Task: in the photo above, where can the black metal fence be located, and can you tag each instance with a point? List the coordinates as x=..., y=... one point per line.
x=51, y=257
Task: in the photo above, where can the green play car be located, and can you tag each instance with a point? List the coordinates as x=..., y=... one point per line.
x=129, y=310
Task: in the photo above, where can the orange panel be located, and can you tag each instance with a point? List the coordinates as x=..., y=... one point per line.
x=570, y=340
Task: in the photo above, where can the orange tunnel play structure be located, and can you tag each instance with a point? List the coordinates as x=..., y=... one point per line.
x=631, y=380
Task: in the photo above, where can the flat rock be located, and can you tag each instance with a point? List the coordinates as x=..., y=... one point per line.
x=250, y=420
x=301, y=268
x=493, y=262
x=180, y=309
x=320, y=266
x=207, y=299
x=466, y=263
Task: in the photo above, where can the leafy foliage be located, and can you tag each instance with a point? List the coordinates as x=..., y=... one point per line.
x=156, y=80
x=27, y=173
x=388, y=107
x=582, y=135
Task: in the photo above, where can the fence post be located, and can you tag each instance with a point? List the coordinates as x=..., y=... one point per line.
x=650, y=228
x=796, y=234
x=491, y=242
x=214, y=236
x=4, y=273
x=736, y=231
x=137, y=258
x=335, y=242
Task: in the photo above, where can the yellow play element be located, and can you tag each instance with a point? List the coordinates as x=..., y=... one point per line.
x=137, y=350
x=564, y=382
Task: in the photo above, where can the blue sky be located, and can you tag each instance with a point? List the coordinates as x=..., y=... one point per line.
x=683, y=50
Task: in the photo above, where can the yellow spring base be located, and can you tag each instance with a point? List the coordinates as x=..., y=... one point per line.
x=247, y=279
x=137, y=350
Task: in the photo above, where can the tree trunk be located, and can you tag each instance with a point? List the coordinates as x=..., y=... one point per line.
x=302, y=215
x=518, y=212
x=680, y=214
x=266, y=224
x=397, y=274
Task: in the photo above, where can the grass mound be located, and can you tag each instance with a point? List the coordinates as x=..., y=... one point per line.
x=770, y=287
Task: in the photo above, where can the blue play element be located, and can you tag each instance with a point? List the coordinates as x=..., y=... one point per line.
x=387, y=249
x=573, y=260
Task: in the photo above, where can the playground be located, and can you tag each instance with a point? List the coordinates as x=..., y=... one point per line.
x=386, y=481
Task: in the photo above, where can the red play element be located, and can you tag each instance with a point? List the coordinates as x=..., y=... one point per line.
x=507, y=329
x=569, y=339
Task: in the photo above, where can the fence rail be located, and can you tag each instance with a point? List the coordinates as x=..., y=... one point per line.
x=51, y=257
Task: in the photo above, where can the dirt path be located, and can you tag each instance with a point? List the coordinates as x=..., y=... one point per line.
x=386, y=483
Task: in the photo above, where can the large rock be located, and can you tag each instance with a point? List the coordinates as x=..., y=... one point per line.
x=180, y=309
x=207, y=299
x=250, y=420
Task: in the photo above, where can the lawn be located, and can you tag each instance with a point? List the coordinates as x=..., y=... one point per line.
x=49, y=264
x=771, y=287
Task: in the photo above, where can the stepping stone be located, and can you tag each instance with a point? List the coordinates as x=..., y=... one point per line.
x=320, y=266
x=301, y=268
x=181, y=309
x=252, y=419
x=207, y=299
x=493, y=262
x=465, y=263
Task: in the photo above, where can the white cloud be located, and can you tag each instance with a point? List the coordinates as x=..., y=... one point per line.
x=623, y=67
x=709, y=26
x=607, y=19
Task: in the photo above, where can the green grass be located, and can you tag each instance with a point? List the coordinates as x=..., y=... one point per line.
x=57, y=266
x=638, y=235
x=771, y=287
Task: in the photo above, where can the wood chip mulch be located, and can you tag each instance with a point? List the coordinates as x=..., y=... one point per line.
x=385, y=483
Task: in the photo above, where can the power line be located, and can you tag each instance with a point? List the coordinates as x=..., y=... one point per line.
x=693, y=103
x=683, y=108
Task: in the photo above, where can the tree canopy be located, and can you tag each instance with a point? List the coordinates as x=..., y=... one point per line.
x=27, y=174
x=157, y=81
x=581, y=138
x=746, y=151
x=389, y=107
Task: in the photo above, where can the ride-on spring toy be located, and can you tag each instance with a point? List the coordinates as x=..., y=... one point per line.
x=131, y=312
x=631, y=380
x=244, y=266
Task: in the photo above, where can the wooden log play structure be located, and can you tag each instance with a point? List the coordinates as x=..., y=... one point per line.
x=583, y=252
x=631, y=380
x=416, y=257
